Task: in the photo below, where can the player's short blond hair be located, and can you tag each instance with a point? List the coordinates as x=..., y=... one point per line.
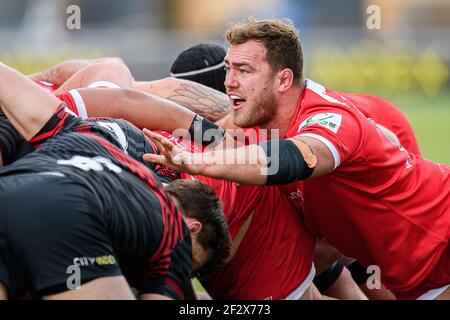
x=280, y=38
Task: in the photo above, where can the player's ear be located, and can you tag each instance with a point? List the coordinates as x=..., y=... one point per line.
x=285, y=79
x=194, y=225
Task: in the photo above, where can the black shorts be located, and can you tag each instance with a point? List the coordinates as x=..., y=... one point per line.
x=53, y=235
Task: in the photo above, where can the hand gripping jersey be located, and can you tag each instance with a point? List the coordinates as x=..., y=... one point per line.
x=381, y=204
x=144, y=227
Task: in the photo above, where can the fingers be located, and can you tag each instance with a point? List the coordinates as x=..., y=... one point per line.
x=155, y=158
x=171, y=156
x=163, y=160
x=157, y=138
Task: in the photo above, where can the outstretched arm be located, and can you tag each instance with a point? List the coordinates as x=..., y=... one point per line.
x=141, y=109
x=147, y=111
x=27, y=105
x=267, y=163
x=246, y=165
x=205, y=101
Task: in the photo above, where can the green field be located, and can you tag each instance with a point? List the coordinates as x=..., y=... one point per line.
x=430, y=118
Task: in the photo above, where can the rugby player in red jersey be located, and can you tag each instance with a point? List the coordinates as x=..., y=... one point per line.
x=381, y=111
x=366, y=194
x=254, y=250
x=264, y=226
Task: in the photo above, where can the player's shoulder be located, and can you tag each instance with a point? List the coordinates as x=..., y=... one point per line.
x=317, y=96
x=325, y=107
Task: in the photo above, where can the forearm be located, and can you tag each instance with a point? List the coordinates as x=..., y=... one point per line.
x=207, y=102
x=61, y=72
x=27, y=105
x=65, y=70
x=152, y=112
x=141, y=109
x=111, y=70
x=244, y=165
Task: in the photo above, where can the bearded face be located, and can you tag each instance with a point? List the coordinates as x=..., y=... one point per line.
x=258, y=110
x=250, y=84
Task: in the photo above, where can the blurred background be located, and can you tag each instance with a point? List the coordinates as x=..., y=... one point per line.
x=402, y=54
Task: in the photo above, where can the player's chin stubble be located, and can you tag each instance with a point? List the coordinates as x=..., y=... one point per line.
x=258, y=113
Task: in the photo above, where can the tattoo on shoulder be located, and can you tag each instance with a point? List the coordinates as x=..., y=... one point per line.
x=207, y=102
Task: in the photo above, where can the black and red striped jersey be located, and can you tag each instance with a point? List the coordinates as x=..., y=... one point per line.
x=131, y=140
x=145, y=227
x=12, y=145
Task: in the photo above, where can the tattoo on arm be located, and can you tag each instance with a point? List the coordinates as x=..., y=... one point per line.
x=206, y=102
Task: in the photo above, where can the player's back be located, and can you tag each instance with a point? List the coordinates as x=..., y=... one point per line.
x=388, y=115
x=133, y=205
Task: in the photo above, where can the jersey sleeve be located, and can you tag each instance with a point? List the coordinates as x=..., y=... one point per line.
x=170, y=274
x=63, y=120
x=74, y=102
x=339, y=129
x=12, y=145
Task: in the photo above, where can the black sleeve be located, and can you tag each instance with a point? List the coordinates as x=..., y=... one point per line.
x=171, y=278
x=12, y=145
x=133, y=142
x=61, y=121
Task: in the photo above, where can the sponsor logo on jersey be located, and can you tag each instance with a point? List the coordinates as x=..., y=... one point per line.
x=90, y=261
x=331, y=121
x=297, y=194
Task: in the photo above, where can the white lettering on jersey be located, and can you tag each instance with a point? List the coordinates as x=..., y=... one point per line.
x=88, y=164
x=331, y=121
x=117, y=132
x=320, y=90
x=297, y=194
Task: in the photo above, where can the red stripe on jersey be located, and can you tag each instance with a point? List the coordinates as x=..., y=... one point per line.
x=68, y=99
x=36, y=141
x=47, y=85
x=175, y=287
x=85, y=128
x=172, y=218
